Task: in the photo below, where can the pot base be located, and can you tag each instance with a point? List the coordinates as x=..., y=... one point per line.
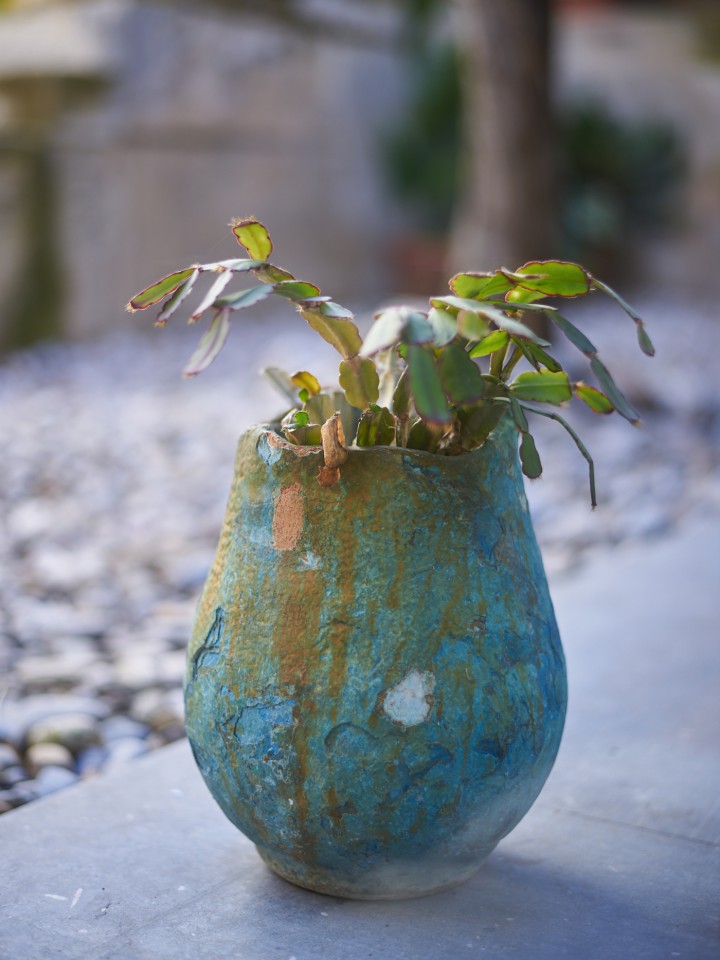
x=386, y=881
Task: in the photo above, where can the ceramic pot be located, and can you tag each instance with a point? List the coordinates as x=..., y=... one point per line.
x=375, y=688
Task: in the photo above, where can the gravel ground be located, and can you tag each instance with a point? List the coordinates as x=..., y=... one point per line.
x=113, y=490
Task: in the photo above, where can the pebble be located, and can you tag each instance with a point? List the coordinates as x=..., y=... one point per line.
x=47, y=754
x=112, y=501
x=8, y=756
x=74, y=731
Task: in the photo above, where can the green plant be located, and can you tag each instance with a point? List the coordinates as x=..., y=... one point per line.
x=438, y=380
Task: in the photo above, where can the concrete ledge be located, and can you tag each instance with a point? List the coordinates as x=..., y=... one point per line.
x=618, y=858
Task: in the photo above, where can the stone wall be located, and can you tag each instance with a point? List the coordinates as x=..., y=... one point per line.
x=204, y=117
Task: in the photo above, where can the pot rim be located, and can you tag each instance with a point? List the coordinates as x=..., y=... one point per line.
x=498, y=438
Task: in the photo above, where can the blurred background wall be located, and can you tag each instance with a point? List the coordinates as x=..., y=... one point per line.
x=377, y=138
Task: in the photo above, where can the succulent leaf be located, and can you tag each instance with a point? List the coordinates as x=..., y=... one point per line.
x=253, y=236
x=306, y=381
x=460, y=377
x=493, y=341
x=594, y=399
x=360, y=381
x=337, y=331
x=376, y=427
x=427, y=391
x=554, y=278
x=211, y=343
x=173, y=302
x=542, y=386
x=159, y=290
x=476, y=286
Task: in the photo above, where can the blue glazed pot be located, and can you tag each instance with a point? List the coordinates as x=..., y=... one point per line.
x=375, y=688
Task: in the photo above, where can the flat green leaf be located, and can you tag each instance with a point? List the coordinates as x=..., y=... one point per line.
x=517, y=414
x=402, y=398
x=332, y=309
x=471, y=325
x=296, y=289
x=646, y=344
x=210, y=345
x=269, y=273
x=282, y=383
x=489, y=344
x=578, y=443
x=182, y=292
x=308, y=436
x=542, y=386
x=518, y=330
x=559, y=278
x=211, y=297
x=427, y=391
x=623, y=407
x=237, y=266
x=463, y=303
x=519, y=295
x=423, y=435
x=337, y=331
x=396, y=324
x=460, y=378
x=252, y=235
x=376, y=427
x=529, y=307
x=306, y=381
x=321, y=407
x=360, y=381
x=244, y=298
x=159, y=290
x=529, y=457
x=477, y=423
x=594, y=399
x=349, y=416
x=644, y=341
x=575, y=336
x=444, y=326
x=475, y=286
x=536, y=355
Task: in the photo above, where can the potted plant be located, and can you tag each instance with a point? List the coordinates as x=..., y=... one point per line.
x=375, y=687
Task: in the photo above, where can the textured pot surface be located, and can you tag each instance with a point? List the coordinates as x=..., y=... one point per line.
x=375, y=688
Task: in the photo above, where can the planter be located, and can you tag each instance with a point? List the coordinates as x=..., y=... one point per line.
x=375, y=687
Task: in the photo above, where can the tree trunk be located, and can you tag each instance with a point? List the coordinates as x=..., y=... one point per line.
x=505, y=213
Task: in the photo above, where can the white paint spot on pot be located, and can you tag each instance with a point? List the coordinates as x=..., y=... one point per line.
x=411, y=701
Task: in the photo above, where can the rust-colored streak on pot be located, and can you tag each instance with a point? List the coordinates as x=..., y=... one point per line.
x=288, y=518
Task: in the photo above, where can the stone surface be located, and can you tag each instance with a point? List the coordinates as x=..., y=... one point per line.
x=618, y=858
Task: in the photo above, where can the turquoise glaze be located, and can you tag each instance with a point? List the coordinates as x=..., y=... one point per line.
x=375, y=688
